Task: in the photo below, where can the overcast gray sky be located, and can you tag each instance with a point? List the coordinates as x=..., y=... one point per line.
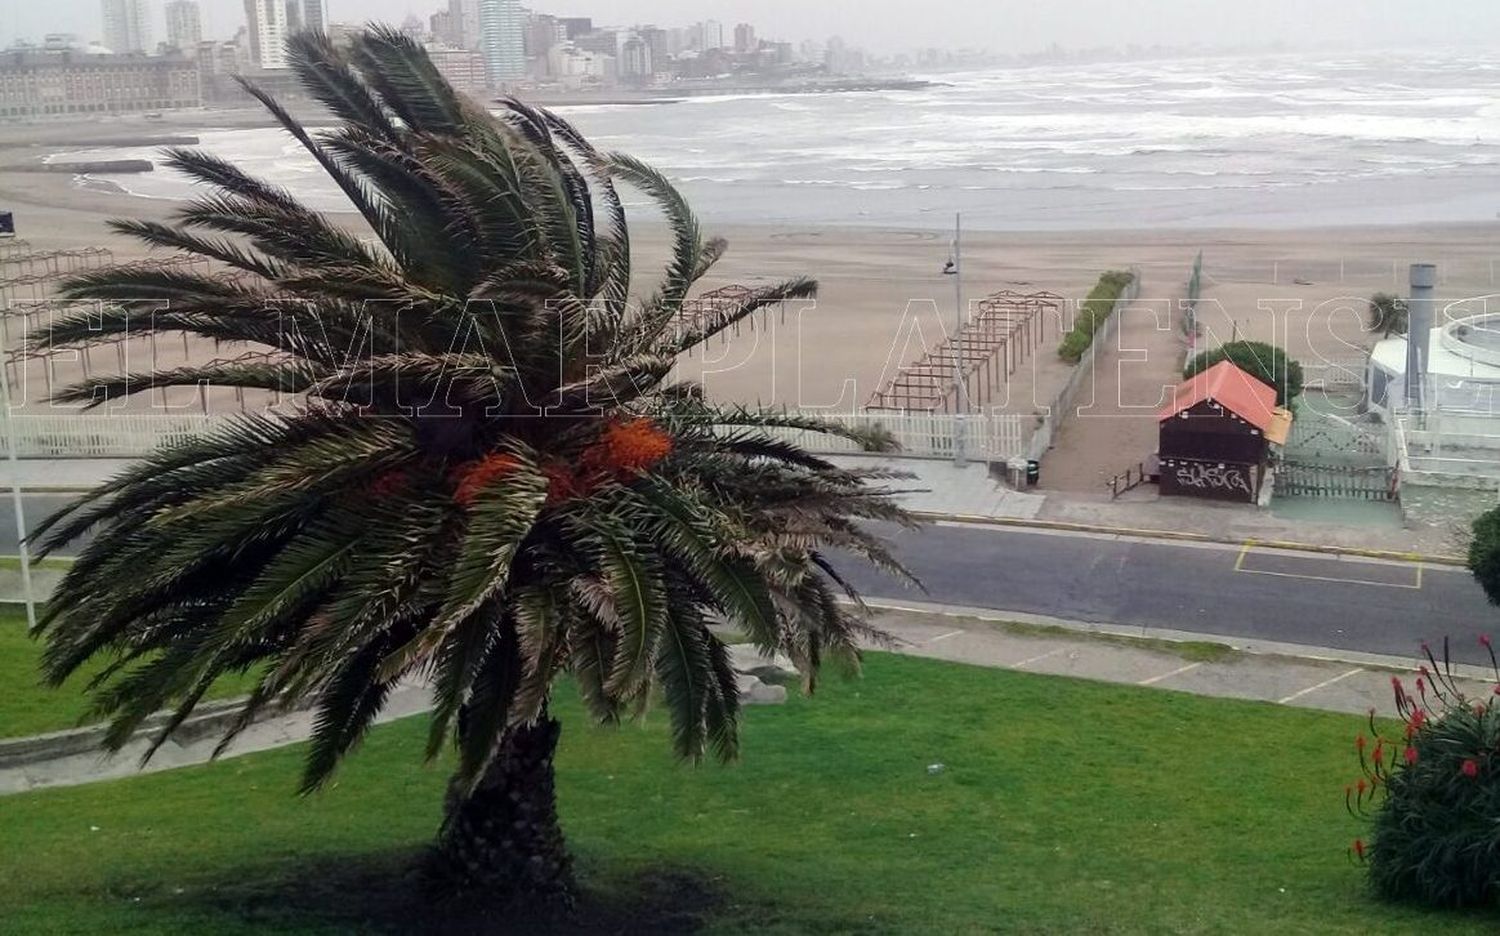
x=889, y=25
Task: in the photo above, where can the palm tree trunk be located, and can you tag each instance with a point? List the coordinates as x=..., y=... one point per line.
x=503, y=840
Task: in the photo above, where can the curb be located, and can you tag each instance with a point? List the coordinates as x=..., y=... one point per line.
x=210, y=719
x=1188, y=537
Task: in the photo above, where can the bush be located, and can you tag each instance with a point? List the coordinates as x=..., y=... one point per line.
x=1433, y=795
x=1484, y=553
x=1266, y=363
x=1092, y=314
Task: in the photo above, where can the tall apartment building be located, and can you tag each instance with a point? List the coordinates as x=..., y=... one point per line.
x=315, y=15
x=502, y=39
x=43, y=84
x=712, y=32
x=184, y=25
x=744, y=39
x=127, y=26
x=463, y=18
x=266, y=23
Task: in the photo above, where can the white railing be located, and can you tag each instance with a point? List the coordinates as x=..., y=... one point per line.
x=988, y=437
x=1330, y=373
x=98, y=435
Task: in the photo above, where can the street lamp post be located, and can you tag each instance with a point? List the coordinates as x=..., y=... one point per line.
x=15, y=486
x=955, y=269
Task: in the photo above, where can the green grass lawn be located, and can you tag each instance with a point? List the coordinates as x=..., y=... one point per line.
x=1065, y=807
x=27, y=707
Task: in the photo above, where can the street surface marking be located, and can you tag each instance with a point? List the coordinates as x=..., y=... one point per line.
x=1322, y=685
x=1176, y=672
x=1039, y=658
x=944, y=636
x=1247, y=552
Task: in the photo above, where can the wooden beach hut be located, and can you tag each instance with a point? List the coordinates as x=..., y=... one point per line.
x=1216, y=435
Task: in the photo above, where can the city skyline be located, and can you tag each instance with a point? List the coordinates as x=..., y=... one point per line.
x=997, y=26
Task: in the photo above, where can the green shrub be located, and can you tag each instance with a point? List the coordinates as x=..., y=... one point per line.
x=1433, y=795
x=1266, y=363
x=1092, y=313
x=1484, y=553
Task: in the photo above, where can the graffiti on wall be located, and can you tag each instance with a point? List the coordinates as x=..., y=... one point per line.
x=1217, y=478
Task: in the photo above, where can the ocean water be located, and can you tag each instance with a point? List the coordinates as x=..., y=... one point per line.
x=1284, y=141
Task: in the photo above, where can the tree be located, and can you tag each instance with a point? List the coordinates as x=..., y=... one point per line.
x=1387, y=315
x=487, y=480
x=1484, y=553
x=1266, y=363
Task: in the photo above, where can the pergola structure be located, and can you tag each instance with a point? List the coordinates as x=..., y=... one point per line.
x=716, y=304
x=1003, y=331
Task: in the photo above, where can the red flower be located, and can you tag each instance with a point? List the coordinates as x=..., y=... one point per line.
x=1470, y=768
x=562, y=484
x=1359, y=743
x=473, y=477
x=628, y=446
x=1484, y=641
x=1361, y=786
x=1411, y=756
x=1418, y=719
x=1359, y=848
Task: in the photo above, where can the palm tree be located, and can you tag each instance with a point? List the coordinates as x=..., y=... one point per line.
x=486, y=482
x=1387, y=315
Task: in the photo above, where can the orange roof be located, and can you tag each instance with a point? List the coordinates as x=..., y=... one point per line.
x=1231, y=388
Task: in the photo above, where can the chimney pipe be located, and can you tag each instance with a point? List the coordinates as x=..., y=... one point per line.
x=1419, y=332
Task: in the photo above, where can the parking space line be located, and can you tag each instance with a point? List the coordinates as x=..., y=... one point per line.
x=1039, y=658
x=944, y=637
x=1322, y=685
x=1176, y=672
x=1239, y=566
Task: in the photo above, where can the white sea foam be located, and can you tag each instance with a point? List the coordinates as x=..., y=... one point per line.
x=1305, y=139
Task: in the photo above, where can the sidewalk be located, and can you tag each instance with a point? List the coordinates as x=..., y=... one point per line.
x=1274, y=674
x=971, y=493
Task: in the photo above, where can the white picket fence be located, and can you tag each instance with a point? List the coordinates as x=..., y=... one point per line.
x=133, y=435
x=987, y=437
x=98, y=435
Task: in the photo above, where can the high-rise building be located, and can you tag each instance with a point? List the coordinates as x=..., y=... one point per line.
x=744, y=39
x=713, y=34
x=315, y=15
x=541, y=33
x=266, y=23
x=293, y=16
x=127, y=26
x=184, y=25
x=464, y=15
x=635, y=59
x=575, y=26
x=502, y=39
x=440, y=24
x=656, y=41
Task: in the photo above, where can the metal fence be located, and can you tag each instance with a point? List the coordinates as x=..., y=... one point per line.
x=93, y=435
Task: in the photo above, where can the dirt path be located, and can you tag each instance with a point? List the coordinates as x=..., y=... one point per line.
x=1114, y=427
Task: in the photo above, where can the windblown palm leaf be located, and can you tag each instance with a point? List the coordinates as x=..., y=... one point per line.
x=487, y=481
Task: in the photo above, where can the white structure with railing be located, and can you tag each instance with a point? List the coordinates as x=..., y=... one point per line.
x=990, y=437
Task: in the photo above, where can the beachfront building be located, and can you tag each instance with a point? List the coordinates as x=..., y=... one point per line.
x=464, y=68
x=502, y=40
x=127, y=26
x=184, y=25
x=54, y=84
x=266, y=22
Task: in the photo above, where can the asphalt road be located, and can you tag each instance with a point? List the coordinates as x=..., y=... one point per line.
x=1213, y=589
x=35, y=508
